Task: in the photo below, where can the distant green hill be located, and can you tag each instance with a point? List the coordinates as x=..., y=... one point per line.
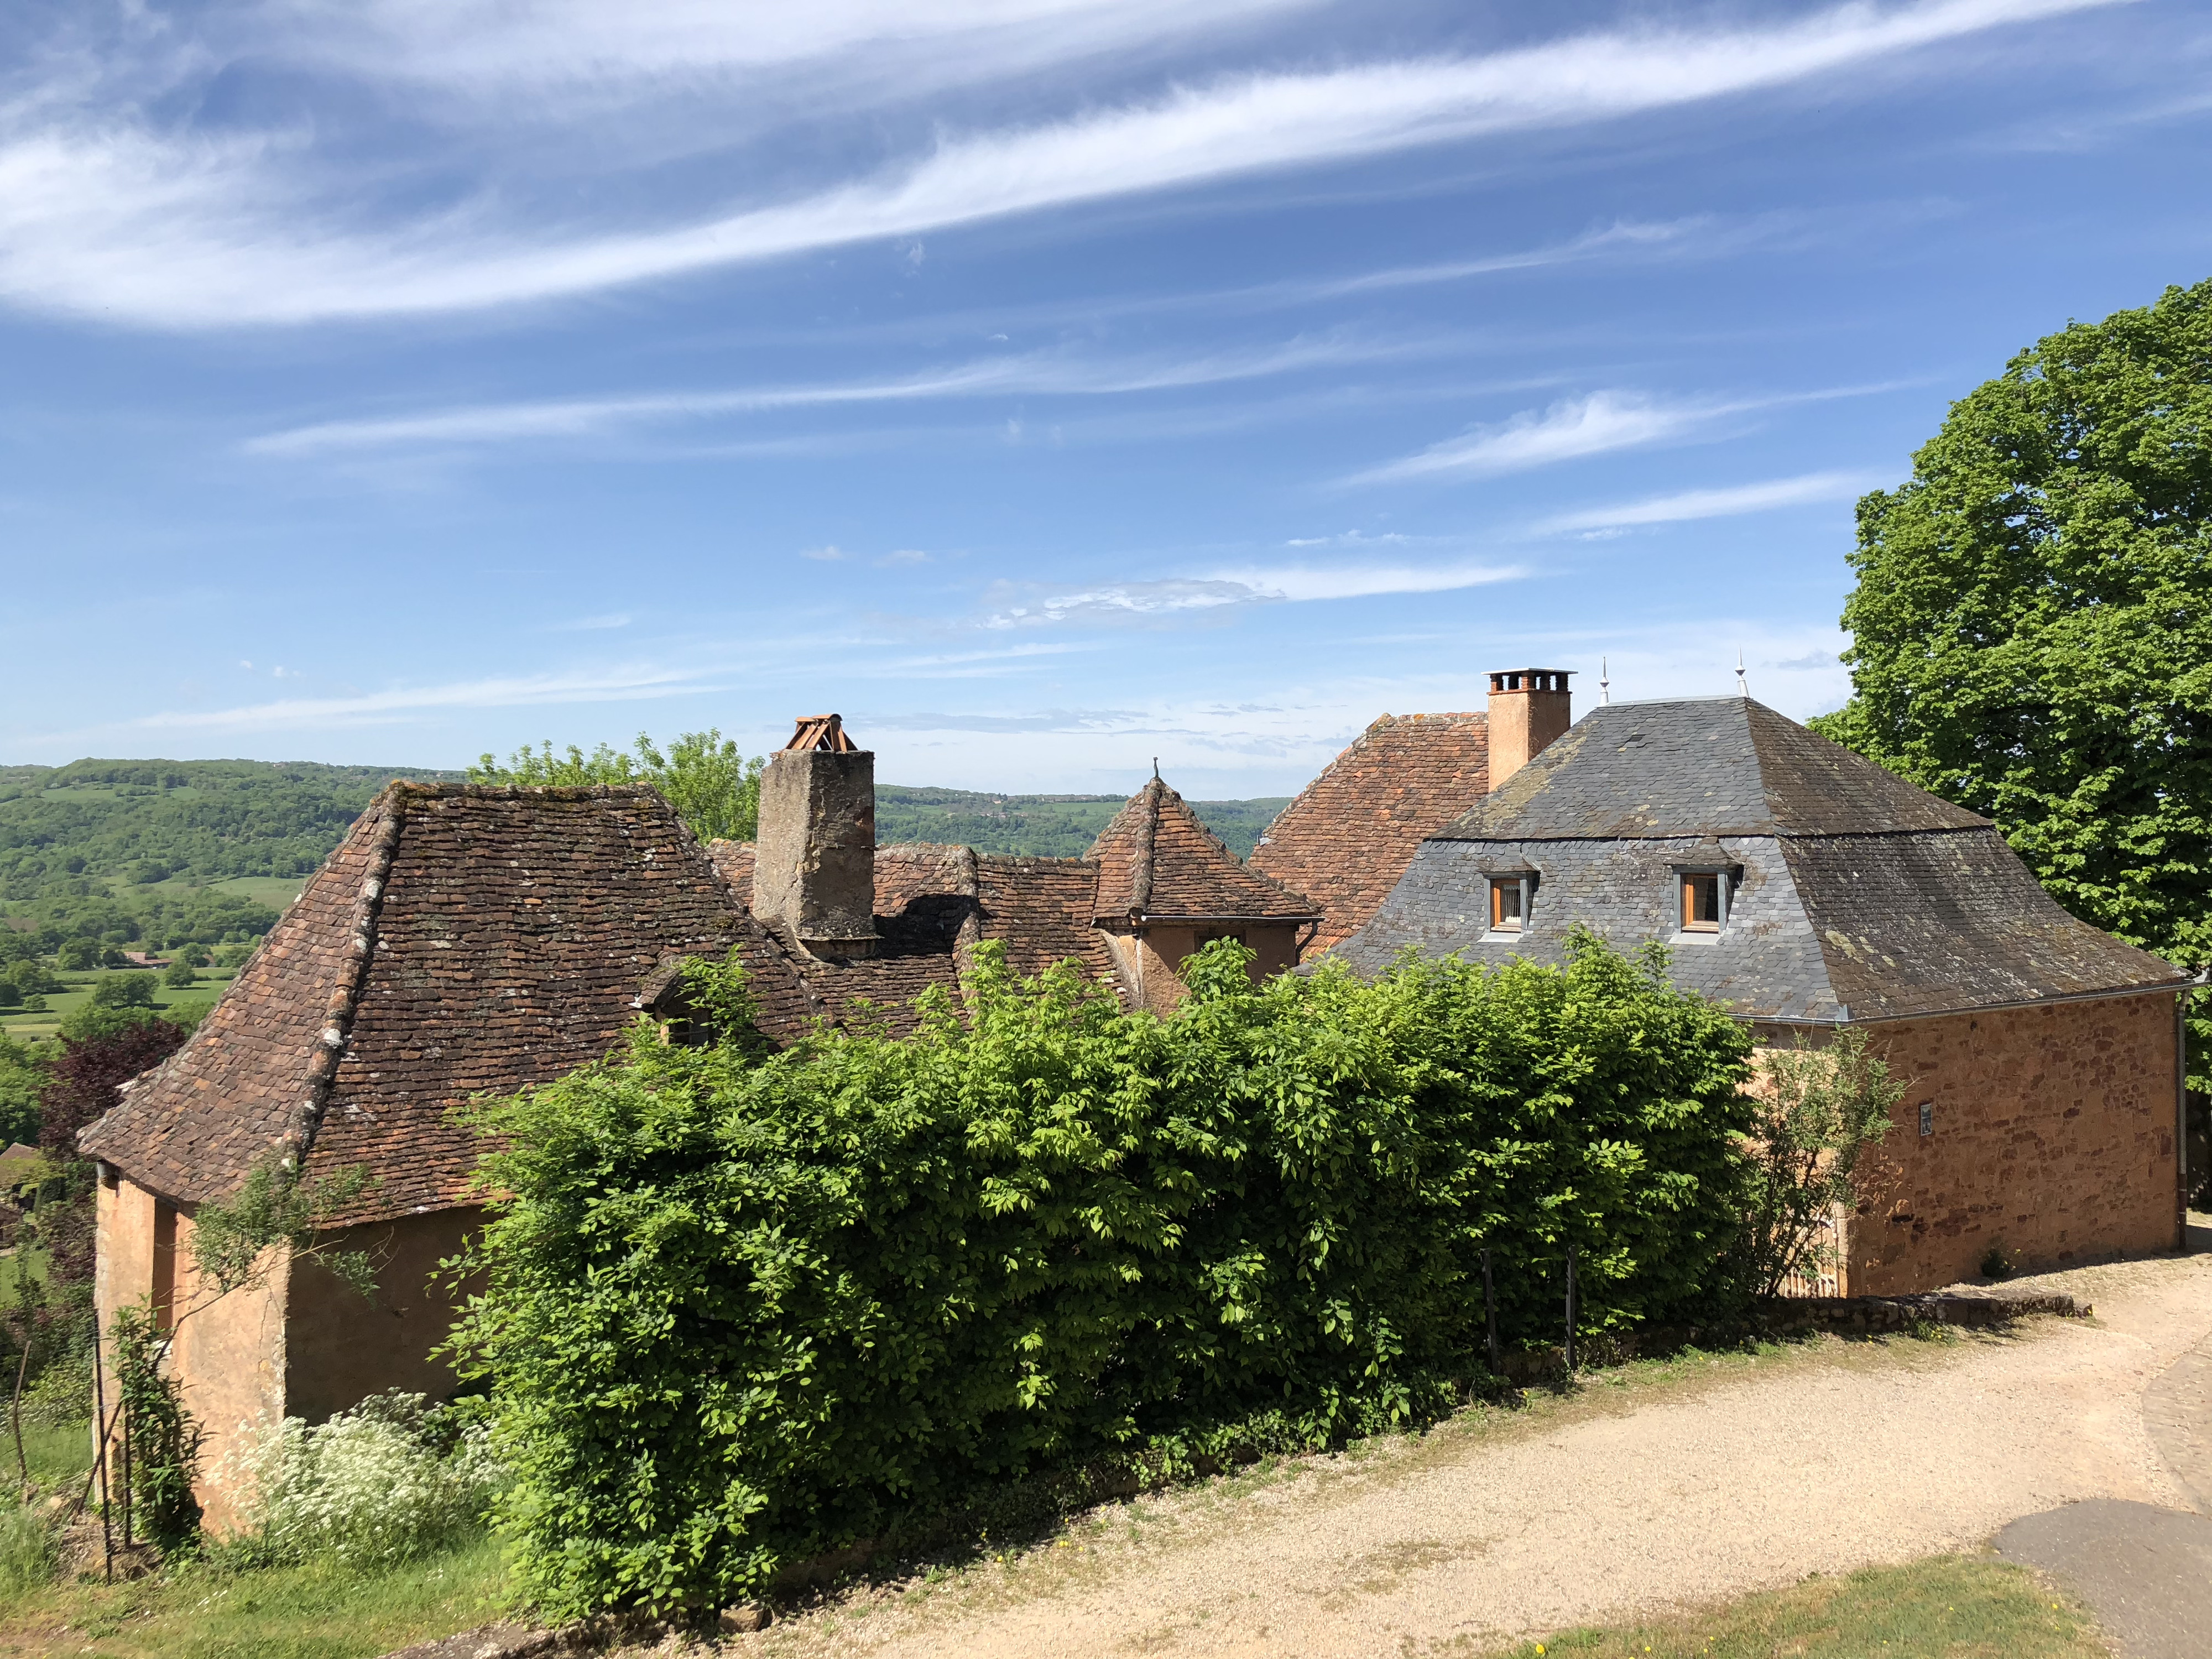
x=160, y=852
x=1043, y=826
x=157, y=853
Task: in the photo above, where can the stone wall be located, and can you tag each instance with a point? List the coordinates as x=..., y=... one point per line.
x=341, y=1348
x=229, y=1350
x=2050, y=1133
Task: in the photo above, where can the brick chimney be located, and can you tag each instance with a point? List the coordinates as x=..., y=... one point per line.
x=1529, y=708
x=815, y=869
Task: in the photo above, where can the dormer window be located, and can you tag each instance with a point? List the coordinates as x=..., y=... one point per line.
x=1512, y=888
x=1704, y=901
x=1506, y=905
x=1704, y=884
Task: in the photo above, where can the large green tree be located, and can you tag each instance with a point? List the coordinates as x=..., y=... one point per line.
x=713, y=787
x=2032, y=630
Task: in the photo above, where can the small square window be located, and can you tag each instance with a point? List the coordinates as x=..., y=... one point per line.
x=1701, y=903
x=1505, y=906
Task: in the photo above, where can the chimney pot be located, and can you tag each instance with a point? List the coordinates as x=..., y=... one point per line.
x=815, y=868
x=1529, y=707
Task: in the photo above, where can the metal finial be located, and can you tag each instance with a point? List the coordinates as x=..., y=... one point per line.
x=1155, y=769
x=1742, y=685
x=1604, y=684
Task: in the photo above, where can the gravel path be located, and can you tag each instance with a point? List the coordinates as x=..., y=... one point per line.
x=1823, y=1459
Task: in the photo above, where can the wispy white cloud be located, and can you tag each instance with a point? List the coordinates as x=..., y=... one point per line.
x=404, y=703
x=1027, y=376
x=1728, y=502
x=1602, y=422
x=1127, y=601
x=111, y=216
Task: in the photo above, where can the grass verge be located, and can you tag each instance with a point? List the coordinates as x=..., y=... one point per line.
x=1949, y=1606
x=204, y=1610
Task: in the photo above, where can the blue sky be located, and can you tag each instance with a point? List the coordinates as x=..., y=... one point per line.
x=1045, y=384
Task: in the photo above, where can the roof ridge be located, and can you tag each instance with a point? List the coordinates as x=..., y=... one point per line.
x=1148, y=830
x=299, y=1136
x=520, y=790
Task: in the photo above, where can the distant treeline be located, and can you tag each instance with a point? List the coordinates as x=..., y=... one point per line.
x=1044, y=826
x=82, y=846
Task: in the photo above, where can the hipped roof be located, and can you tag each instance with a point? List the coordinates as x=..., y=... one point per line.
x=1859, y=896
x=1158, y=861
x=1708, y=766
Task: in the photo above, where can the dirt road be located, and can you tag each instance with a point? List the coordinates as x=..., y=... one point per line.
x=1746, y=1477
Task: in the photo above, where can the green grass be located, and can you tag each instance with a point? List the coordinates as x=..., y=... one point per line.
x=1950, y=1607
x=205, y=1610
x=77, y=991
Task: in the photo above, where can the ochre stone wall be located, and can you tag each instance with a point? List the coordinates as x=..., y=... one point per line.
x=2052, y=1132
x=1150, y=963
x=229, y=1354
x=229, y=1351
x=341, y=1348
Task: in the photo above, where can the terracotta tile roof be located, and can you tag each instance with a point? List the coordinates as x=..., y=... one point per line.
x=461, y=940
x=1043, y=909
x=1351, y=832
x=933, y=903
x=1156, y=858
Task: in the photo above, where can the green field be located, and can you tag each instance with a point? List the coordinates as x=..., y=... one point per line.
x=60, y=1005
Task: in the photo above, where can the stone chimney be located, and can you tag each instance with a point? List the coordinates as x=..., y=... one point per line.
x=815, y=868
x=1529, y=708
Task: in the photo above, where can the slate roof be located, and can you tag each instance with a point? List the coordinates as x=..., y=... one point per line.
x=1707, y=766
x=461, y=941
x=1351, y=833
x=1857, y=895
x=1157, y=860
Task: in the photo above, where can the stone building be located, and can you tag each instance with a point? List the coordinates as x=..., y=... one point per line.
x=467, y=940
x=1810, y=889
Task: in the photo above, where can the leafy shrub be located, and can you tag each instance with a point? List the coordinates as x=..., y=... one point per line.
x=742, y=1308
x=179, y=974
x=76, y=955
x=390, y=1480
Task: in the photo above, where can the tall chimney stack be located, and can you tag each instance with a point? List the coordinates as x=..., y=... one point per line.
x=1529, y=708
x=815, y=868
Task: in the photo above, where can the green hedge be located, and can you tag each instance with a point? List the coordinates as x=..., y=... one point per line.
x=744, y=1308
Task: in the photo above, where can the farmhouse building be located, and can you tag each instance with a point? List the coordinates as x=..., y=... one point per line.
x=1810, y=889
x=468, y=940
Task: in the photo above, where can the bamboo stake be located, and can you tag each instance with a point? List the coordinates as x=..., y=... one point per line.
x=99, y=1457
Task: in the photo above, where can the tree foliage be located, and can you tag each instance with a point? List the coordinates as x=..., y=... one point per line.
x=713, y=788
x=85, y=1081
x=741, y=1307
x=2031, y=628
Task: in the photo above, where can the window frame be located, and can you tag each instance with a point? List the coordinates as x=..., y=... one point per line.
x=1523, y=883
x=1724, y=877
